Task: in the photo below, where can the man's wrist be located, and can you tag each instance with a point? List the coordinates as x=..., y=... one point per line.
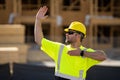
x=82, y=53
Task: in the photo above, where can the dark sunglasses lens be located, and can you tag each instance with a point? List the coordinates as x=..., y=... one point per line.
x=70, y=32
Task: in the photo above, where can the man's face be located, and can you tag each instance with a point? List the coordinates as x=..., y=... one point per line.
x=71, y=36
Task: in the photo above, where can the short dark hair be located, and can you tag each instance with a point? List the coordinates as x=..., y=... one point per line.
x=82, y=35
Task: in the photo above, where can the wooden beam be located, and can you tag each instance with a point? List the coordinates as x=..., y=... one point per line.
x=30, y=19
x=105, y=21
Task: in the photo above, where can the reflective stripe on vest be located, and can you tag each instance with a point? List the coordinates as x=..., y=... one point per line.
x=59, y=56
x=70, y=77
x=57, y=73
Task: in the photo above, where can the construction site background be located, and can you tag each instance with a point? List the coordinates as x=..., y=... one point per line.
x=17, y=17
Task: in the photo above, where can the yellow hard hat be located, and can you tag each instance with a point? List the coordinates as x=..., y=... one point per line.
x=77, y=26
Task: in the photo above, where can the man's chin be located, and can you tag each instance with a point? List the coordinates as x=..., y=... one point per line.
x=67, y=42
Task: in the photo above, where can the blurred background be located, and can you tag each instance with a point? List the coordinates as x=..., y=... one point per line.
x=17, y=17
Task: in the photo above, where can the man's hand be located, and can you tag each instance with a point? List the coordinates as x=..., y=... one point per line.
x=74, y=52
x=41, y=13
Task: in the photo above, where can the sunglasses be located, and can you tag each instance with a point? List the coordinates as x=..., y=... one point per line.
x=70, y=32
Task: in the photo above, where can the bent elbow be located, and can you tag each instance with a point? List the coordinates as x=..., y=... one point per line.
x=104, y=57
x=38, y=41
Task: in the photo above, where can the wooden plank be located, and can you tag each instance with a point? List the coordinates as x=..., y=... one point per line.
x=10, y=55
x=11, y=29
x=12, y=33
x=105, y=21
x=12, y=39
x=21, y=47
x=31, y=19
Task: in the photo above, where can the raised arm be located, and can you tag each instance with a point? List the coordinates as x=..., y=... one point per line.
x=38, y=34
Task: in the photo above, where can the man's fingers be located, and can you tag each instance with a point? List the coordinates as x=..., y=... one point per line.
x=72, y=52
x=41, y=13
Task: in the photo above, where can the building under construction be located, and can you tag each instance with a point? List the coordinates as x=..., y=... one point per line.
x=17, y=17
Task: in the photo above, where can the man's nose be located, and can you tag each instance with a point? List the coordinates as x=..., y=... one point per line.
x=66, y=34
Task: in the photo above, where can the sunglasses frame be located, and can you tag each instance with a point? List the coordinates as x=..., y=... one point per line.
x=70, y=32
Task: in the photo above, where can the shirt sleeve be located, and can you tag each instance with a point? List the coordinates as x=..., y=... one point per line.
x=51, y=48
x=91, y=62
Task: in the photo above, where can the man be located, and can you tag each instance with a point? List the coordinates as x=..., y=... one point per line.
x=71, y=61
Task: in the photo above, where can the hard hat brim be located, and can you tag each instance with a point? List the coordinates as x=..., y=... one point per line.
x=66, y=30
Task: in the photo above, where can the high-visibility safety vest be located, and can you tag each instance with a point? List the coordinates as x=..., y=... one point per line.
x=66, y=66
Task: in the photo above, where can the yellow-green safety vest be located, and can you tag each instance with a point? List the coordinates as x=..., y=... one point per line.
x=66, y=66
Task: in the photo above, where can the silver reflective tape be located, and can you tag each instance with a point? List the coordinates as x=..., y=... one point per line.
x=67, y=76
x=59, y=56
x=81, y=74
